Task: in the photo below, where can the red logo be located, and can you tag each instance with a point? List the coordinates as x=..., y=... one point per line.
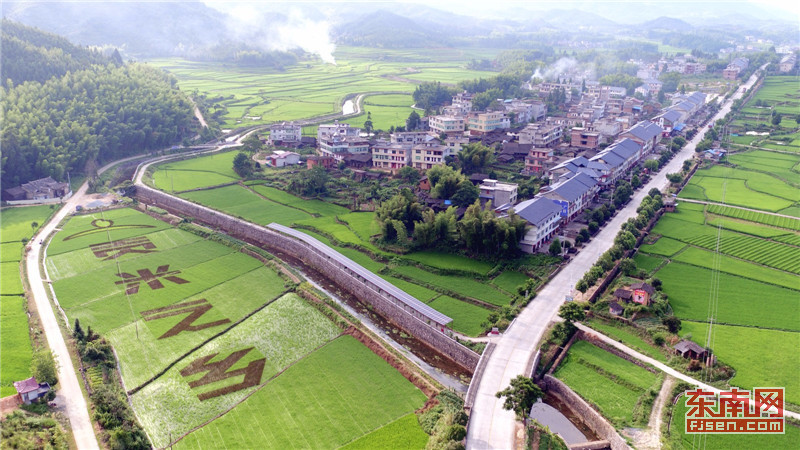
x=735, y=411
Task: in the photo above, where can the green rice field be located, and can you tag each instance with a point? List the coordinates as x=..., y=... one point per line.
x=193, y=173
x=761, y=357
x=741, y=301
x=313, y=88
x=615, y=390
x=467, y=317
x=280, y=334
x=754, y=216
x=15, y=343
x=335, y=395
x=679, y=439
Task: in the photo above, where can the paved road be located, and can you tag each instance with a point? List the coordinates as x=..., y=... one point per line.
x=659, y=365
x=490, y=425
x=68, y=387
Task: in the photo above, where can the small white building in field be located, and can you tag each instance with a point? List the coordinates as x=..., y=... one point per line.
x=281, y=158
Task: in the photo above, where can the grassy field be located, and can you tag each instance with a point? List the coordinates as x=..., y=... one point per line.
x=663, y=246
x=211, y=170
x=15, y=343
x=761, y=357
x=241, y=202
x=285, y=331
x=679, y=439
x=466, y=317
x=402, y=434
x=385, y=110
x=615, y=389
x=754, y=216
x=449, y=261
x=313, y=206
x=625, y=335
x=509, y=280
x=334, y=396
x=467, y=286
x=312, y=88
x=741, y=301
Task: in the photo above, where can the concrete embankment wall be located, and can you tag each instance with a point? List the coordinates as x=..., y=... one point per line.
x=277, y=242
x=580, y=408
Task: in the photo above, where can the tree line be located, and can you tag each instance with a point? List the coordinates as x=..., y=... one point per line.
x=97, y=113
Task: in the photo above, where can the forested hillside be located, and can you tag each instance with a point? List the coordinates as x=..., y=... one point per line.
x=88, y=108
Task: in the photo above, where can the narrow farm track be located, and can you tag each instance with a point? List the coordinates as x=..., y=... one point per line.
x=490, y=425
x=706, y=202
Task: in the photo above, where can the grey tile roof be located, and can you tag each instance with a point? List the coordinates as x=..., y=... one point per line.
x=671, y=115
x=645, y=130
x=538, y=210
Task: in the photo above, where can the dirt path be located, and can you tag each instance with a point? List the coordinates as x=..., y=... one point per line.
x=650, y=437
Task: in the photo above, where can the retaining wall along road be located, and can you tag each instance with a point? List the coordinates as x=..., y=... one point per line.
x=382, y=302
x=600, y=426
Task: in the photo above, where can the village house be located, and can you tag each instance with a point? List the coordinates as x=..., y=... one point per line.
x=357, y=160
x=484, y=122
x=324, y=161
x=537, y=160
x=30, y=390
x=615, y=308
x=391, y=156
x=787, y=63
x=650, y=87
x=498, y=193
x=543, y=217
x=582, y=138
x=646, y=134
x=286, y=134
x=281, y=158
x=690, y=350
x=424, y=157
x=540, y=135
x=736, y=67
x=446, y=124
x=41, y=189
x=574, y=194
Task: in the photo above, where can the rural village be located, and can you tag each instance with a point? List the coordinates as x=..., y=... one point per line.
x=394, y=250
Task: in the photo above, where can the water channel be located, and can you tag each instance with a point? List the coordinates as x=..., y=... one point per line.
x=555, y=415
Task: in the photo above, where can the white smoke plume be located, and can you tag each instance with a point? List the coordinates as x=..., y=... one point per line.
x=261, y=29
x=565, y=68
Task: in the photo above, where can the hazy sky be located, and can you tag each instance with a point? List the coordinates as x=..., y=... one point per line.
x=493, y=8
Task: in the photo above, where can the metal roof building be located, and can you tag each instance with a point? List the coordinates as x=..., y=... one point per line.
x=401, y=298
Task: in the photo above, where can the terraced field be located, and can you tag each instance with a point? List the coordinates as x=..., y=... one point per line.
x=610, y=382
x=312, y=88
x=203, y=331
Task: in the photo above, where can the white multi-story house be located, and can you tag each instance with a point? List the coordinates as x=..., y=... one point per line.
x=446, y=124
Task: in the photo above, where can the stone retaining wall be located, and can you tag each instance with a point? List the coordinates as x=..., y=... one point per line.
x=278, y=242
x=600, y=426
x=472, y=391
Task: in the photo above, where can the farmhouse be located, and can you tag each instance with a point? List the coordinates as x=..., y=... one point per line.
x=281, y=158
x=735, y=68
x=690, y=350
x=446, y=124
x=285, y=134
x=788, y=62
x=41, y=189
x=484, y=122
x=540, y=135
x=498, y=193
x=30, y=390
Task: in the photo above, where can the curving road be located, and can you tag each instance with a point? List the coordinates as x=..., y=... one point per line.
x=491, y=426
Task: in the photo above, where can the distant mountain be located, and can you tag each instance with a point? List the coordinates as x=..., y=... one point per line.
x=139, y=29
x=667, y=24
x=577, y=20
x=28, y=54
x=387, y=30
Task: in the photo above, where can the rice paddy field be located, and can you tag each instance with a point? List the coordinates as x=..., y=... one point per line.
x=756, y=270
x=210, y=170
x=312, y=88
x=15, y=344
x=423, y=274
x=679, y=439
x=611, y=383
x=207, y=336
